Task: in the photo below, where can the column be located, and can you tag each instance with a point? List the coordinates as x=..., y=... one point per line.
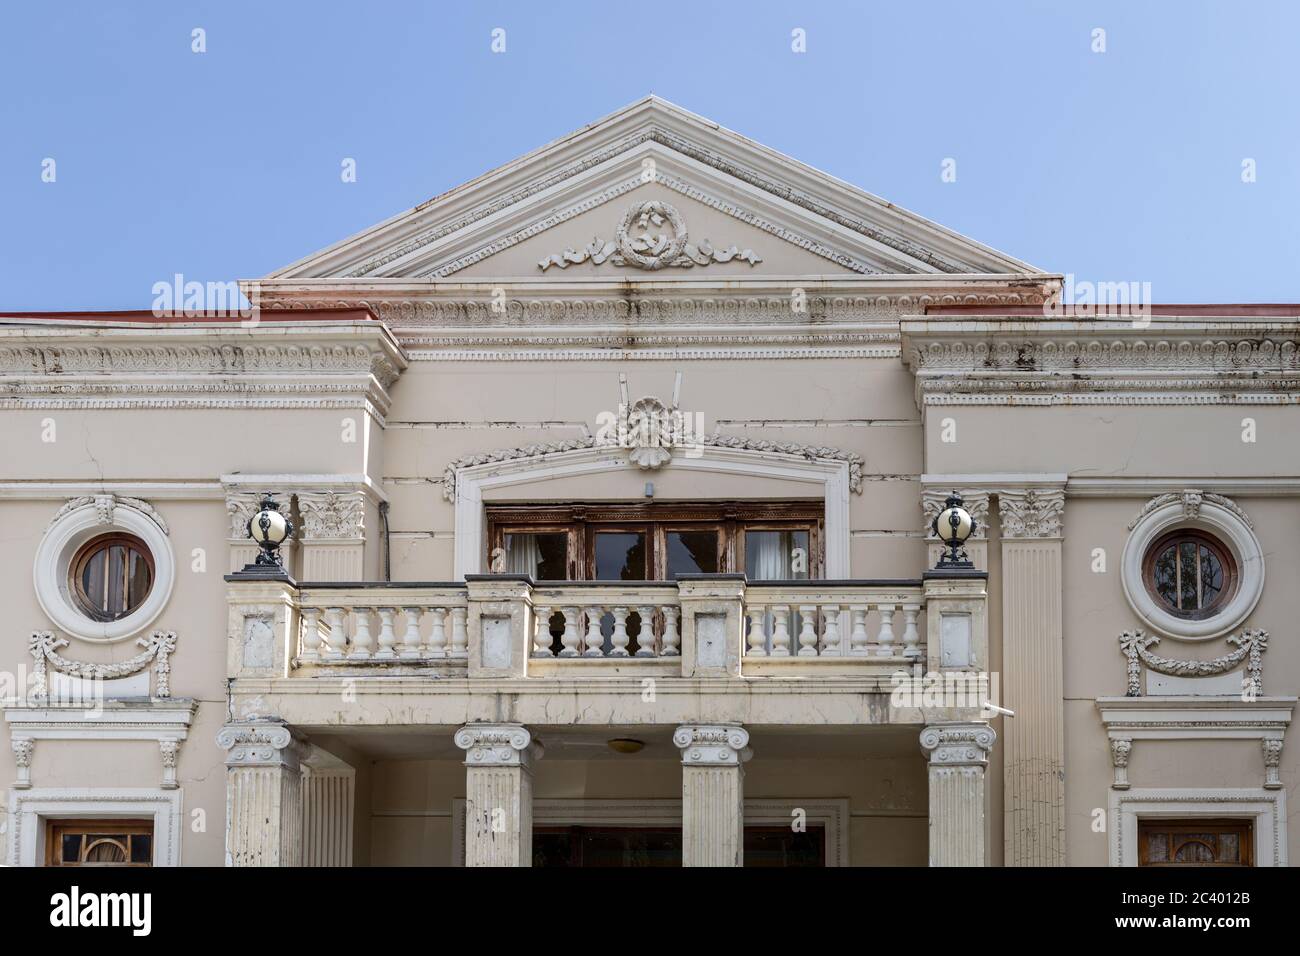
x=263, y=794
x=498, y=793
x=959, y=754
x=713, y=793
x=1034, y=749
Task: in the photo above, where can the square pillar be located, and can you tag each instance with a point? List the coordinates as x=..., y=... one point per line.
x=713, y=793
x=263, y=794
x=499, y=624
x=959, y=755
x=713, y=624
x=498, y=793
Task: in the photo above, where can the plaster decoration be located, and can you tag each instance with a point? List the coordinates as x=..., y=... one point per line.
x=1228, y=523
x=1120, y=749
x=958, y=745
x=544, y=449
x=1266, y=807
x=1272, y=762
x=170, y=750
x=23, y=748
x=158, y=647
x=260, y=744
x=1251, y=645
x=976, y=502
x=1191, y=501
x=332, y=515
x=651, y=236
x=718, y=745
x=240, y=509
x=104, y=508
x=1031, y=513
x=28, y=809
x=495, y=745
x=78, y=522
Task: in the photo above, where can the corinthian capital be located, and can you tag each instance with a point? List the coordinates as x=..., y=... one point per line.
x=328, y=514
x=1031, y=512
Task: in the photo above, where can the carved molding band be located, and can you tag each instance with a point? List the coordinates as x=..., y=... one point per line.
x=643, y=242
x=1251, y=645
x=1031, y=513
x=158, y=647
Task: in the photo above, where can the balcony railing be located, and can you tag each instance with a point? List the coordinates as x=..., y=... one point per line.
x=776, y=626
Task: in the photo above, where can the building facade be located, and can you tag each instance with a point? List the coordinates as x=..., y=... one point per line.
x=612, y=477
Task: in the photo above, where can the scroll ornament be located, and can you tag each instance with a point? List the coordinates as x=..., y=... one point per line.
x=158, y=647
x=1251, y=645
x=651, y=236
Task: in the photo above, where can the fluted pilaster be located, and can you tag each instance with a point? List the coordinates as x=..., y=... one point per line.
x=263, y=794
x=958, y=755
x=498, y=793
x=713, y=793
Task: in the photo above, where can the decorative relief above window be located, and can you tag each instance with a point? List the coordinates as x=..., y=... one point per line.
x=1192, y=567
x=104, y=569
x=651, y=236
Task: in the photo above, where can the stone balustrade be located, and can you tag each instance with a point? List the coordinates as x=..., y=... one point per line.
x=704, y=625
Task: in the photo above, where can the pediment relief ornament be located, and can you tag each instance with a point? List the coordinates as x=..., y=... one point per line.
x=651, y=236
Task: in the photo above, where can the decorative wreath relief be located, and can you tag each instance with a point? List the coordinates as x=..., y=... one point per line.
x=651, y=236
x=1251, y=645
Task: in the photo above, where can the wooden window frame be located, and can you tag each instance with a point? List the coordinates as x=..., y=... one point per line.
x=581, y=521
x=1200, y=538
x=56, y=829
x=1243, y=827
x=92, y=548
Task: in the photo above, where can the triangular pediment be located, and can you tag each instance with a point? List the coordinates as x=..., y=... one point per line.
x=652, y=191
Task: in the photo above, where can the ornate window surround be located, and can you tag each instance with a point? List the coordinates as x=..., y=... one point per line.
x=77, y=522
x=831, y=477
x=28, y=809
x=1218, y=516
x=1267, y=808
x=832, y=813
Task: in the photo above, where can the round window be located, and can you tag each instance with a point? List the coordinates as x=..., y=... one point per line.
x=111, y=576
x=1190, y=574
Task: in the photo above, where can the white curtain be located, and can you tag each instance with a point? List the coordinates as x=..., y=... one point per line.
x=523, y=554
x=769, y=556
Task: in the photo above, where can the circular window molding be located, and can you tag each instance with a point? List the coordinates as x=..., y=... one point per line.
x=78, y=522
x=1217, y=517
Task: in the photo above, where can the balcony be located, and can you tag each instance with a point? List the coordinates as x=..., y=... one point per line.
x=509, y=626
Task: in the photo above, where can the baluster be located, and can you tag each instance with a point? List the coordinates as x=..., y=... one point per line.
x=459, y=633
x=362, y=643
x=387, y=637
x=780, y=630
x=885, y=640
x=911, y=639
x=570, y=638
x=756, y=639
x=337, y=637
x=438, y=632
x=807, y=631
x=542, y=632
x=858, y=638
x=311, y=634
x=645, y=638
x=411, y=636
x=595, y=642
x=831, y=639
x=619, y=638
x=670, y=633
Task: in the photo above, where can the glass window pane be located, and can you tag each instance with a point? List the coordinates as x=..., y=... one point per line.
x=142, y=848
x=1211, y=577
x=776, y=555
x=620, y=556
x=692, y=552
x=1187, y=575
x=543, y=556
x=71, y=847
x=1165, y=575
x=140, y=581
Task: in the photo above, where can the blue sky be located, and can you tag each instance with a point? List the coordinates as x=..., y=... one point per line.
x=1117, y=166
